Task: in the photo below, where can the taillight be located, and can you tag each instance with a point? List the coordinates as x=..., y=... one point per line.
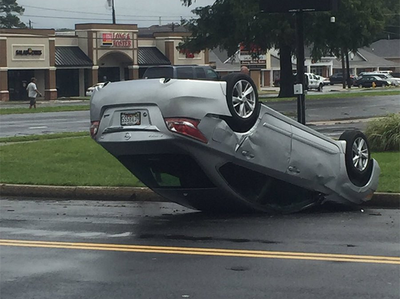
x=185, y=126
x=94, y=127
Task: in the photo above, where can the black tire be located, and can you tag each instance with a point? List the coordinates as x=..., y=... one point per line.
x=242, y=101
x=320, y=87
x=357, y=157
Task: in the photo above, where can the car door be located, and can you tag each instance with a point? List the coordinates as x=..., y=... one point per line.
x=269, y=146
x=314, y=158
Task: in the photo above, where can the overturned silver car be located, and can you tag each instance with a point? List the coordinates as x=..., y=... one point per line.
x=212, y=146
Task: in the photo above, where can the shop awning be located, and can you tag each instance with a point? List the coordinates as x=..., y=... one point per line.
x=151, y=56
x=72, y=57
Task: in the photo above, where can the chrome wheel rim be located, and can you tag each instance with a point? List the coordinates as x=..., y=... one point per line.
x=360, y=154
x=244, y=98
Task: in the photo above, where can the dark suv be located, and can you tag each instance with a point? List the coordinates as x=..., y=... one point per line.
x=338, y=78
x=181, y=72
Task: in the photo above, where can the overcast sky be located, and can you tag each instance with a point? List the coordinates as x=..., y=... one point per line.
x=66, y=13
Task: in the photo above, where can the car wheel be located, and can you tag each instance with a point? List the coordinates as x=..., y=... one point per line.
x=357, y=157
x=320, y=87
x=242, y=101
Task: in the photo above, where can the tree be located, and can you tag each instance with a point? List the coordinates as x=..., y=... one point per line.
x=392, y=25
x=8, y=17
x=228, y=23
x=358, y=23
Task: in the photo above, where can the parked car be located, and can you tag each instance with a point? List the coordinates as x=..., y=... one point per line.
x=385, y=76
x=369, y=81
x=181, y=72
x=90, y=90
x=212, y=145
x=313, y=81
x=338, y=78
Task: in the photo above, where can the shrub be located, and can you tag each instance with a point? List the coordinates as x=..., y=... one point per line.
x=384, y=134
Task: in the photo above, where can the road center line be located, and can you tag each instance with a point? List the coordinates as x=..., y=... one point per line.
x=207, y=251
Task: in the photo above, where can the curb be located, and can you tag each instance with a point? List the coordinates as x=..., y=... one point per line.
x=384, y=200
x=379, y=200
x=81, y=192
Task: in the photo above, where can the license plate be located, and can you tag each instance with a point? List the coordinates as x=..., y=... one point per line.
x=130, y=119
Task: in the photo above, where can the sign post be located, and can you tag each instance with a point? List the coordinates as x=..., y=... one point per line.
x=299, y=7
x=301, y=98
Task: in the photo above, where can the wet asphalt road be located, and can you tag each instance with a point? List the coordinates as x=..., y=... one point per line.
x=316, y=111
x=89, y=249
x=43, y=123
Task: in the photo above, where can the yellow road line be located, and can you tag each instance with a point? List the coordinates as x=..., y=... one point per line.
x=207, y=251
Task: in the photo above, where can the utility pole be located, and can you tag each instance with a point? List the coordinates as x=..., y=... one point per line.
x=111, y=4
x=113, y=12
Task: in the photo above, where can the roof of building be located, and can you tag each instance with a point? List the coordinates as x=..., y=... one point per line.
x=149, y=31
x=151, y=56
x=71, y=57
x=365, y=59
x=387, y=48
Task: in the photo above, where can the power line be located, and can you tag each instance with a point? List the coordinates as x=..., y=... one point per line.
x=153, y=18
x=102, y=14
x=62, y=10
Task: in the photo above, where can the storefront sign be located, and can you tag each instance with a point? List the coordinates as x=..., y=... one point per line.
x=25, y=52
x=117, y=40
x=28, y=51
x=107, y=39
x=251, y=59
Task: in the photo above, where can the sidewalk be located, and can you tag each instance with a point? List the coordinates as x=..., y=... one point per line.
x=379, y=200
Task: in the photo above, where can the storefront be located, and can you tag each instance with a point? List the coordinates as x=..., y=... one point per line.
x=65, y=64
x=25, y=54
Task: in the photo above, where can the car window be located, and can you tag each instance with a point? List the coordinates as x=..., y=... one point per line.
x=200, y=73
x=158, y=72
x=184, y=73
x=212, y=74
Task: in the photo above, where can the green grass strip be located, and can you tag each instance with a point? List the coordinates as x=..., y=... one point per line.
x=43, y=137
x=340, y=95
x=82, y=162
x=389, y=180
x=62, y=162
x=44, y=109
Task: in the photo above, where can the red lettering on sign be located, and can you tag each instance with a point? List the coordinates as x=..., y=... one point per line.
x=122, y=40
